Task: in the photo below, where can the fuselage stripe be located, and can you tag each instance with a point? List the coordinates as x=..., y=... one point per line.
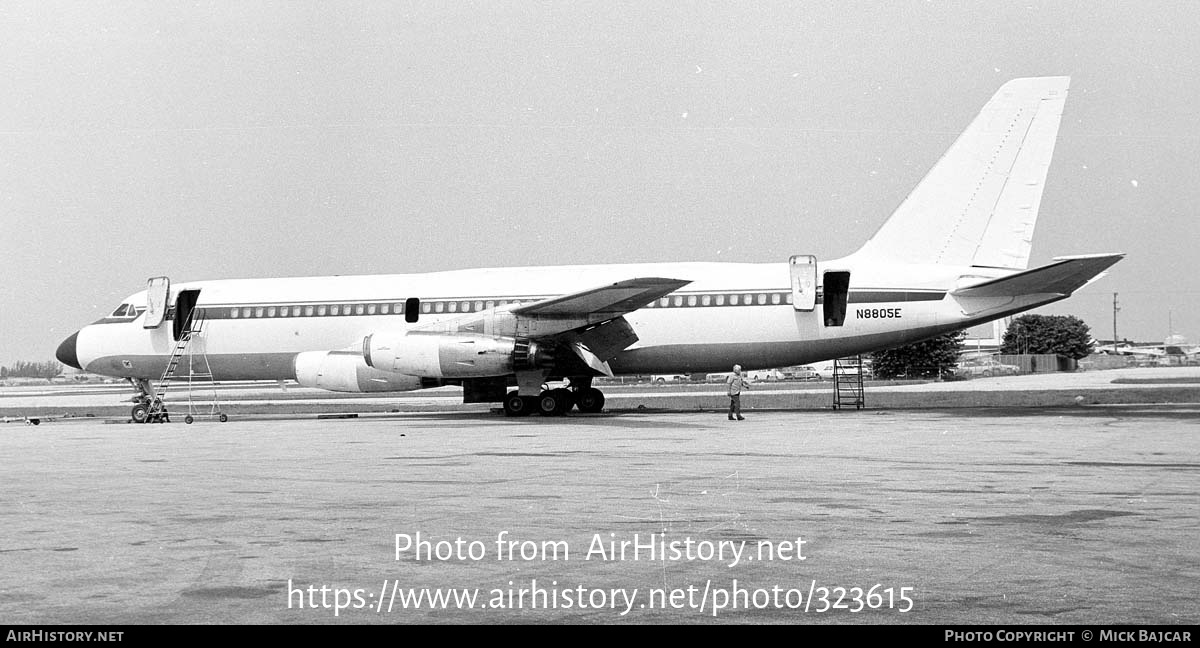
x=468, y=305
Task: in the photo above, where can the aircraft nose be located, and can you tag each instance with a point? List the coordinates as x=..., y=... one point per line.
x=67, y=353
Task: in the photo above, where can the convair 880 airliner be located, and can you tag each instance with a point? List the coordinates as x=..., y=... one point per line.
x=954, y=254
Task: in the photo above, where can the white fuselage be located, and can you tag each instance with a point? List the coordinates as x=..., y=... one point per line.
x=729, y=313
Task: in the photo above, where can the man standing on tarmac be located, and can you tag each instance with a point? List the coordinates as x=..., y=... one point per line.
x=736, y=383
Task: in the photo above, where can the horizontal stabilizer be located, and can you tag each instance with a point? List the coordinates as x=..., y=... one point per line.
x=1063, y=277
x=615, y=299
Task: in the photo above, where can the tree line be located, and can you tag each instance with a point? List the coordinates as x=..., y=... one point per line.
x=21, y=369
x=1064, y=335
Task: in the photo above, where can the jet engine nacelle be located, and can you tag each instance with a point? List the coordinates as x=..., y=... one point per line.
x=345, y=371
x=438, y=355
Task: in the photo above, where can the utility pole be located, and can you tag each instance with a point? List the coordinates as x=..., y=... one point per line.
x=1115, y=310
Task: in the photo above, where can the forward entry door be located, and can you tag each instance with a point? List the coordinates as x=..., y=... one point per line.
x=158, y=295
x=803, y=268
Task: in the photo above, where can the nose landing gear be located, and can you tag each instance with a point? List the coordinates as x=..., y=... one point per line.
x=146, y=411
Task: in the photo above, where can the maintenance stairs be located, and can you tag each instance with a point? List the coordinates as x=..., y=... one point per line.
x=848, y=383
x=198, y=371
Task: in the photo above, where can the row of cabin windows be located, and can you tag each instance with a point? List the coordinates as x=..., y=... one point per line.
x=741, y=299
x=399, y=308
x=389, y=308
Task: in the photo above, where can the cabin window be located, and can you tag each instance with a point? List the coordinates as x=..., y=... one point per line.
x=359, y=309
x=439, y=307
x=270, y=311
x=720, y=300
x=677, y=300
x=233, y=312
x=775, y=298
x=479, y=306
x=691, y=300
x=321, y=309
x=245, y=311
x=453, y=307
x=383, y=309
x=733, y=300
x=466, y=307
x=490, y=304
x=308, y=311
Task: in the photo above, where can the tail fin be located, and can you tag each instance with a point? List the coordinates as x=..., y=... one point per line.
x=979, y=204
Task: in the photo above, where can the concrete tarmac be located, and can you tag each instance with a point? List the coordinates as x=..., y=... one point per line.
x=1118, y=386
x=1084, y=515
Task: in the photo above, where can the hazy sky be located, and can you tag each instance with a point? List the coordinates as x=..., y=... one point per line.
x=239, y=139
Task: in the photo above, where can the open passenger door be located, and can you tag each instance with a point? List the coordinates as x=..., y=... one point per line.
x=158, y=293
x=803, y=268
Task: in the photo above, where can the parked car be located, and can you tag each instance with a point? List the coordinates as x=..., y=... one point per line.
x=976, y=367
x=824, y=370
x=662, y=379
x=764, y=375
x=802, y=372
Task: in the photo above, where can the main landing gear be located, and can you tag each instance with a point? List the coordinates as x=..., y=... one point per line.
x=555, y=402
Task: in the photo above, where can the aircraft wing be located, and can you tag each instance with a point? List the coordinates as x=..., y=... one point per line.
x=1063, y=277
x=611, y=300
x=590, y=323
x=1155, y=351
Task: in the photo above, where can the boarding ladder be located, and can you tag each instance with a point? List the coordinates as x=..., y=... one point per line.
x=848, y=383
x=198, y=370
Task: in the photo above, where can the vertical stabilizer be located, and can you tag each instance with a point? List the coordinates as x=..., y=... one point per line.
x=979, y=204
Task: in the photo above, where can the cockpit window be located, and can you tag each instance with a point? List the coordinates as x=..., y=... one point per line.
x=124, y=310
